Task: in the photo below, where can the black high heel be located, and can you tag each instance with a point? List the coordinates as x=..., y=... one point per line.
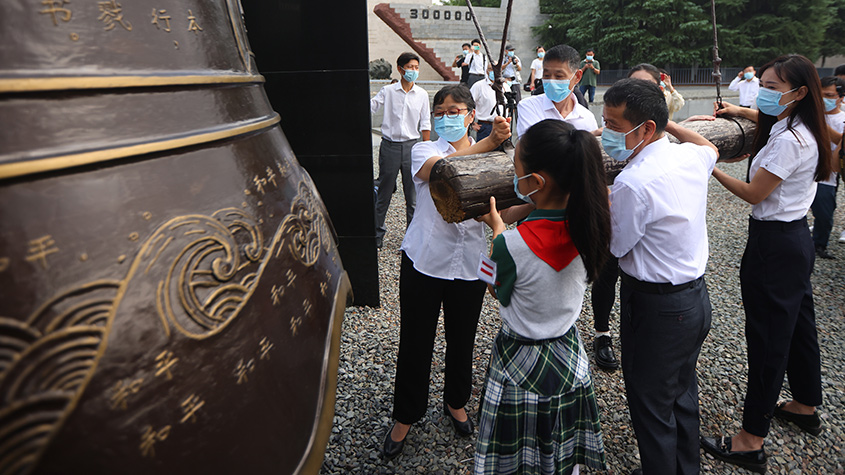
x=463, y=429
x=391, y=448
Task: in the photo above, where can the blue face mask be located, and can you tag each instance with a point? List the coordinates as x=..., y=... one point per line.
x=451, y=129
x=829, y=104
x=525, y=198
x=614, y=143
x=466, y=52
x=510, y=53
x=411, y=75
x=490, y=75
x=748, y=76
x=589, y=57
x=541, y=54
x=662, y=85
x=768, y=101
x=556, y=89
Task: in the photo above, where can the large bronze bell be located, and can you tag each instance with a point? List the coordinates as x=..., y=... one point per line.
x=170, y=289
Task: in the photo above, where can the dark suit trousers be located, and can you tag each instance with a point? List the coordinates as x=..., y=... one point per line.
x=420, y=298
x=780, y=319
x=661, y=339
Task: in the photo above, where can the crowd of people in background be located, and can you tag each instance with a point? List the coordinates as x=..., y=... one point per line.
x=538, y=412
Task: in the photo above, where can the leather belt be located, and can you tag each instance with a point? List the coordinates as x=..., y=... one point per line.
x=655, y=288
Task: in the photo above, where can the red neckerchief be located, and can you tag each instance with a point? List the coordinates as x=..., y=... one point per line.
x=549, y=240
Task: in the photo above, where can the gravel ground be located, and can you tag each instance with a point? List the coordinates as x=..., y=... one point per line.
x=370, y=342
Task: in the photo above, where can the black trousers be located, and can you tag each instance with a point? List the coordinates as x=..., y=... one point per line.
x=780, y=319
x=420, y=298
x=661, y=339
x=603, y=295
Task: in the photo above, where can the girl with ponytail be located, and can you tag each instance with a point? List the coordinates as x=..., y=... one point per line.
x=539, y=379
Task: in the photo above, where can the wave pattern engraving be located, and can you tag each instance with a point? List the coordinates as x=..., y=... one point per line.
x=45, y=364
x=305, y=230
x=206, y=268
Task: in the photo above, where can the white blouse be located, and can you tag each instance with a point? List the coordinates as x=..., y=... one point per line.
x=792, y=156
x=437, y=248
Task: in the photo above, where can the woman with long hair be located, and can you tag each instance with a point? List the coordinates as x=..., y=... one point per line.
x=791, y=154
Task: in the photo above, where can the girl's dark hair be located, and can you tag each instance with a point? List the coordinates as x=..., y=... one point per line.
x=797, y=71
x=458, y=92
x=573, y=159
x=655, y=73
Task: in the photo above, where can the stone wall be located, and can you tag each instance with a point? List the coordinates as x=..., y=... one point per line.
x=444, y=28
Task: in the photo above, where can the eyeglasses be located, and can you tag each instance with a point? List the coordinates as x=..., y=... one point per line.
x=451, y=113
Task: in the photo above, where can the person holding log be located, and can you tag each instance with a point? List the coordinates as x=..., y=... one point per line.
x=439, y=263
x=659, y=234
x=539, y=411
x=561, y=72
x=791, y=154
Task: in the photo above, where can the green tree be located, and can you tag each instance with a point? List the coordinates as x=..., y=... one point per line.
x=757, y=31
x=834, y=37
x=679, y=32
x=475, y=3
x=625, y=33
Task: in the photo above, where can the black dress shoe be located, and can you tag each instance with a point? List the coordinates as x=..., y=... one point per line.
x=754, y=460
x=603, y=348
x=463, y=429
x=824, y=253
x=391, y=448
x=807, y=422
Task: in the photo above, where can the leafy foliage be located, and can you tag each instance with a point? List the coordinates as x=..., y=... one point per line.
x=680, y=32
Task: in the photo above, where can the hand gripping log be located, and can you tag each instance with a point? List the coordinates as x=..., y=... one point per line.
x=461, y=187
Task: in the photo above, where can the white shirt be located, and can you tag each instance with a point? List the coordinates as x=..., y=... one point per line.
x=536, y=108
x=477, y=63
x=837, y=121
x=485, y=100
x=405, y=113
x=437, y=248
x=793, y=160
x=510, y=70
x=537, y=66
x=658, y=212
x=747, y=90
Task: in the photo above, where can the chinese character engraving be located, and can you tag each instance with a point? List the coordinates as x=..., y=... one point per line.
x=291, y=278
x=192, y=25
x=271, y=176
x=190, y=406
x=40, y=248
x=56, y=6
x=295, y=322
x=164, y=363
x=324, y=287
x=161, y=16
x=306, y=306
x=277, y=293
x=264, y=349
x=150, y=437
x=121, y=392
x=243, y=368
x=112, y=15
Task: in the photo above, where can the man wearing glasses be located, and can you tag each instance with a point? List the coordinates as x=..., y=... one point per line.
x=406, y=118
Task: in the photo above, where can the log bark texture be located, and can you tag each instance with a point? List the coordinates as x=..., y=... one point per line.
x=461, y=187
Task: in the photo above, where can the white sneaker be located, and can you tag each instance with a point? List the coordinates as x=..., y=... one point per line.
x=842, y=238
x=811, y=228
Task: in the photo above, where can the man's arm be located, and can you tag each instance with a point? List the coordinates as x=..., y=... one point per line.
x=425, y=121
x=685, y=135
x=377, y=101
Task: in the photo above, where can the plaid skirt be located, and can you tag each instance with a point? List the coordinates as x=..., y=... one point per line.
x=538, y=412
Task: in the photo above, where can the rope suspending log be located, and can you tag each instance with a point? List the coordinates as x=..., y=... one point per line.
x=717, y=61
